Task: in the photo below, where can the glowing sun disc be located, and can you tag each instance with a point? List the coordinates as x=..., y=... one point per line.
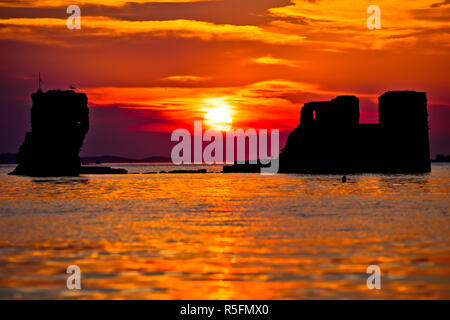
x=218, y=119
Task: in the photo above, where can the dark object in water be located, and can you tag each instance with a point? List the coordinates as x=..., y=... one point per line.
x=179, y=171
x=344, y=179
x=188, y=171
x=441, y=158
x=101, y=170
x=246, y=167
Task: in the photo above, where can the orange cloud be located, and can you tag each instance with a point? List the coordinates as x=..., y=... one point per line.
x=274, y=61
x=337, y=25
x=62, y=3
x=185, y=78
x=29, y=29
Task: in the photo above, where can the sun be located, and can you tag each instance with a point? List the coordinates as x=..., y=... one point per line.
x=218, y=115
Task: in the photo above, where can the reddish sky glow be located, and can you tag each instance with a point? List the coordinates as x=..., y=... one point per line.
x=150, y=67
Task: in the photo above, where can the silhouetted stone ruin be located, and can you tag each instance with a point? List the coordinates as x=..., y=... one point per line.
x=59, y=123
x=330, y=139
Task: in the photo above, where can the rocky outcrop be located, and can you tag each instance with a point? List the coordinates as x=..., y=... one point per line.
x=59, y=123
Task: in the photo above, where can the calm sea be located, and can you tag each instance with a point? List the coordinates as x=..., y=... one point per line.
x=225, y=236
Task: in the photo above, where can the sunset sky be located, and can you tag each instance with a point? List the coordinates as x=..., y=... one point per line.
x=149, y=67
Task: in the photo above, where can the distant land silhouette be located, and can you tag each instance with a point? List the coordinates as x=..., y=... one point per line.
x=11, y=158
x=441, y=158
x=115, y=159
x=59, y=123
x=330, y=139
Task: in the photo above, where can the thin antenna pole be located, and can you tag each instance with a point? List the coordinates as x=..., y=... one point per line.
x=39, y=81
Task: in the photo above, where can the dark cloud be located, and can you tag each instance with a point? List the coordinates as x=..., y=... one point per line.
x=440, y=4
x=248, y=12
x=432, y=14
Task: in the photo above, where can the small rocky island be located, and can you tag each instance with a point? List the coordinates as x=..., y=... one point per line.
x=59, y=123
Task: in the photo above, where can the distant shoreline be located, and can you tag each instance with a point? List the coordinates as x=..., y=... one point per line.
x=115, y=159
x=10, y=158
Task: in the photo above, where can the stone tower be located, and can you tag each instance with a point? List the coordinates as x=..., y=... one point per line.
x=59, y=122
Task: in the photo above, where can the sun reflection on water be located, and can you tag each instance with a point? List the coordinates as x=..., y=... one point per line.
x=226, y=236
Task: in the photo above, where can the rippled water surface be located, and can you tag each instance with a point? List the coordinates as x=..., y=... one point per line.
x=225, y=236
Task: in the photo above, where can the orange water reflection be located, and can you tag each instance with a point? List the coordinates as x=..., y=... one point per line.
x=231, y=236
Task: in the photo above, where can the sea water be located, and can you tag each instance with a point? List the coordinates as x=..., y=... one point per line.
x=225, y=236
